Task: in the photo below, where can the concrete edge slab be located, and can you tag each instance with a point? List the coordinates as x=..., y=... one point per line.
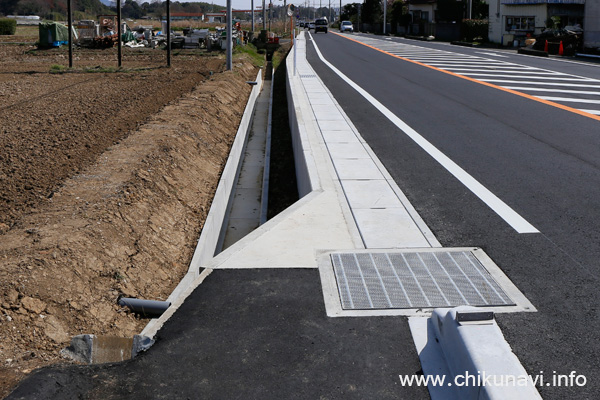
x=221, y=259
x=184, y=289
x=333, y=304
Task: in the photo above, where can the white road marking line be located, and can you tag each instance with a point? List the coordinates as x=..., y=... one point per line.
x=569, y=84
x=569, y=99
x=378, y=42
x=552, y=90
x=511, y=217
x=474, y=61
x=500, y=68
x=492, y=54
x=512, y=76
x=595, y=112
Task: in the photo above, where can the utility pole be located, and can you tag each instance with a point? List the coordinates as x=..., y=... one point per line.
x=384, y=15
x=285, y=17
x=168, y=33
x=252, y=8
x=69, y=11
x=229, y=64
x=119, y=34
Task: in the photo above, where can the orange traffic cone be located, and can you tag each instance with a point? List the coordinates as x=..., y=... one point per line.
x=546, y=46
x=561, y=49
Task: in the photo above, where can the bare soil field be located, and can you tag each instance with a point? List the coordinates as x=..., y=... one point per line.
x=106, y=178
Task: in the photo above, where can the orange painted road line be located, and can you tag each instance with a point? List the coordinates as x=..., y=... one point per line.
x=527, y=96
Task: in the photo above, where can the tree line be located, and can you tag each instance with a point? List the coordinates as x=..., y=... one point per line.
x=88, y=9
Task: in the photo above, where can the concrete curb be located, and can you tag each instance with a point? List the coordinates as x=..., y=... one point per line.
x=531, y=52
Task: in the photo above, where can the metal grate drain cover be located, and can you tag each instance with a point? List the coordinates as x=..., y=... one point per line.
x=414, y=280
x=308, y=76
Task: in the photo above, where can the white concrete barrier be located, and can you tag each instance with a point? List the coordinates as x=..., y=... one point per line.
x=480, y=360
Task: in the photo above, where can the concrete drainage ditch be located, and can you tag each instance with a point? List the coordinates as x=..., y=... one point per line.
x=239, y=206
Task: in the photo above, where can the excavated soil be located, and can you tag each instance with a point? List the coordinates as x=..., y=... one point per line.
x=105, y=181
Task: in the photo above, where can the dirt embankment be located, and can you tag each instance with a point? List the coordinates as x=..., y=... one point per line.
x=103, y=190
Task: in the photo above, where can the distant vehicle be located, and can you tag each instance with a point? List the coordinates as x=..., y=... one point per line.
x=346, y=26
x=321, y=25
x=311, y=25
x=302, y=23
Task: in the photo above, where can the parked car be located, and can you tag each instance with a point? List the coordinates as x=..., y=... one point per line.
x=321, y=25
x=346, y=26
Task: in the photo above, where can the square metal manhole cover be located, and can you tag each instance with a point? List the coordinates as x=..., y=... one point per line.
x=419, y=279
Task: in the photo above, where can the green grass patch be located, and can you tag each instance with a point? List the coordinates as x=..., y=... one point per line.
x=280, y=55
x=57, y=68
x=250, y=50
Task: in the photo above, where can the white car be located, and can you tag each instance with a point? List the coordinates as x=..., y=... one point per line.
x=311, y=25
x=346, y=26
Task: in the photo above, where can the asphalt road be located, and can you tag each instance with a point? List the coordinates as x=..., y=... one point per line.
x=541, y=159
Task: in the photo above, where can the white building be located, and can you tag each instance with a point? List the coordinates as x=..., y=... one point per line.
x=218, y=17
x=512, y=20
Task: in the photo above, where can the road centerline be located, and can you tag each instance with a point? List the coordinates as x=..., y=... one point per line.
x=516, y=221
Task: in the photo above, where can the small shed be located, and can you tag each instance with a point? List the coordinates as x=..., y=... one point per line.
x=53, y=34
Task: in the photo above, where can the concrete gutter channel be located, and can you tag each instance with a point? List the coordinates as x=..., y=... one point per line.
x=348, y=203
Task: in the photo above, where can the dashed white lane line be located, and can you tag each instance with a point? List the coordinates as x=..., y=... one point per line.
x=516, y=221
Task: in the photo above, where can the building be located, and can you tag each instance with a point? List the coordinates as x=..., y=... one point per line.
x=219, y=17
x=422, y=10
x=185, y=16
x=591, y=25
x=422, y=14
x=515, y=20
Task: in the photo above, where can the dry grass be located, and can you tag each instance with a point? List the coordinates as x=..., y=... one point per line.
x=31, y=31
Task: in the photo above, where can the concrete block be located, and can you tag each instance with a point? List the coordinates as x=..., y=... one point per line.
x=479, y=358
